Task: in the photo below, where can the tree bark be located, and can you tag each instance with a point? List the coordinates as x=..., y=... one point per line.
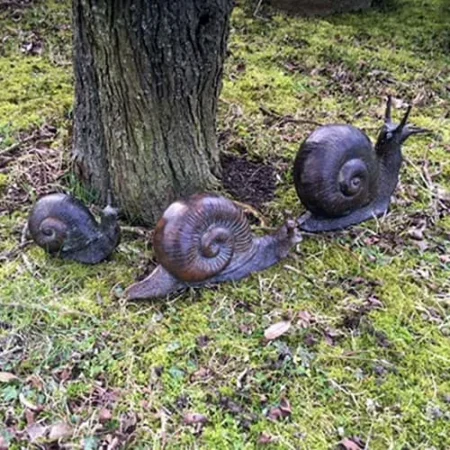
x=321, y=7
x=147, y=79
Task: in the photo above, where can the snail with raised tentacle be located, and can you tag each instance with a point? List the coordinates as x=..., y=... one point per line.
x=206, y=239
x=342, y=180
x=64, y=227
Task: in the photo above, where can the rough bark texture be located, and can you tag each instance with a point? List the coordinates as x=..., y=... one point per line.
x=321, y=7
x=148, y=76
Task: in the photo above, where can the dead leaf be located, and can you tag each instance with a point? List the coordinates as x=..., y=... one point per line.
x=36, y=382
x=276, y=330
x=36, y=431
x=285, y=407
x=305, y=319
x=420, y=99
x=30, y=416
x=422, y=245
x=443, y=194
x=114, y=444
x=331, y=335
x=445, y=259
x=275, y=414
x=3, y=444
x=281, y=411
x=104, y=415
x=266, y=439
x=66, y=374
x=374, y=302
x=201, y=374
x=128, y=422
x=7, y=377
x=352, y=444
x=60, y=431
x=416, y=233
x=195, y=418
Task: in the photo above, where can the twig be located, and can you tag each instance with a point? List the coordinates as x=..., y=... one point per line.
x=140, y=231
x=12, y=253
x=258, y=6
x=36, y=135
x=286, y=119
x=24, y=235
x=252, y=211
x=17, y=145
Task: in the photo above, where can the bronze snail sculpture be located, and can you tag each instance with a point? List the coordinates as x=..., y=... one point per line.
x=64, y=227
x=342, y=180
x=206, y=239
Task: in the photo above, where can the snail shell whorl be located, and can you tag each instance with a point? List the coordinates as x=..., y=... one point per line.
x=198, y=237
x=51, y=234
x=59, y=222
x=336, y=171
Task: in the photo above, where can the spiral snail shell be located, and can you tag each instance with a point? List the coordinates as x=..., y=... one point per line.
x=206, y=239
x=64, y=227
x=198, y=238
x=342, y=179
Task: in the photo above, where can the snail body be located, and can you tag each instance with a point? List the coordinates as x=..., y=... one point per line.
x=64, y=227
x=343, y=180
x=206, y=239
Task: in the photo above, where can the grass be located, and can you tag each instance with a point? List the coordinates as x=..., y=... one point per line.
x=366, y=358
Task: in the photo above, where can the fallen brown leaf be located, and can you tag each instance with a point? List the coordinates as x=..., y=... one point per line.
x=266, y=439
x=195, y=418
x=36, y=431
x=281, y=411
x=416, y=234
x=7, y=377
x=60, y=430
x=30, y=417
x=3, y=444
x=201, y=374
x=104, y=415
x=276, y=330
x=305, y=319
x=445, y=259
x=352, y=444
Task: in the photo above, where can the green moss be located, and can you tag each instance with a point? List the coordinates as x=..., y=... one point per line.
x=34, y=91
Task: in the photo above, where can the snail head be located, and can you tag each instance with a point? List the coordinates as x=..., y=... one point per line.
x=393, y=135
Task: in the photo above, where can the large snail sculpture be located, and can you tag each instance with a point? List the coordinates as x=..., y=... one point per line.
x=64, y=227
x=342, y=180
x=206, y=239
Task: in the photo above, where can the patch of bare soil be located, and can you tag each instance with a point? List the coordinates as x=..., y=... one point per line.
x=248, y=181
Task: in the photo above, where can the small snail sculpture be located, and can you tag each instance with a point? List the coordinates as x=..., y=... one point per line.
x=64, y=227
x=206, y=239
x=342, y=180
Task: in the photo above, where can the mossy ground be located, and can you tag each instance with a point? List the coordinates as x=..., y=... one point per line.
x=368, y=352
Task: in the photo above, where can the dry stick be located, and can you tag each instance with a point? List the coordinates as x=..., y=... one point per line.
x=140, y=231
x=39, y=134
x=23, y=244
x=286, y=119
x=253, y=211
x=17, y=145
x=258, y=6
x=13, y=253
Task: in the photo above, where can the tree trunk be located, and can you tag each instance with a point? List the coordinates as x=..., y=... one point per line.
x=321, y=7
x=147, y=79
